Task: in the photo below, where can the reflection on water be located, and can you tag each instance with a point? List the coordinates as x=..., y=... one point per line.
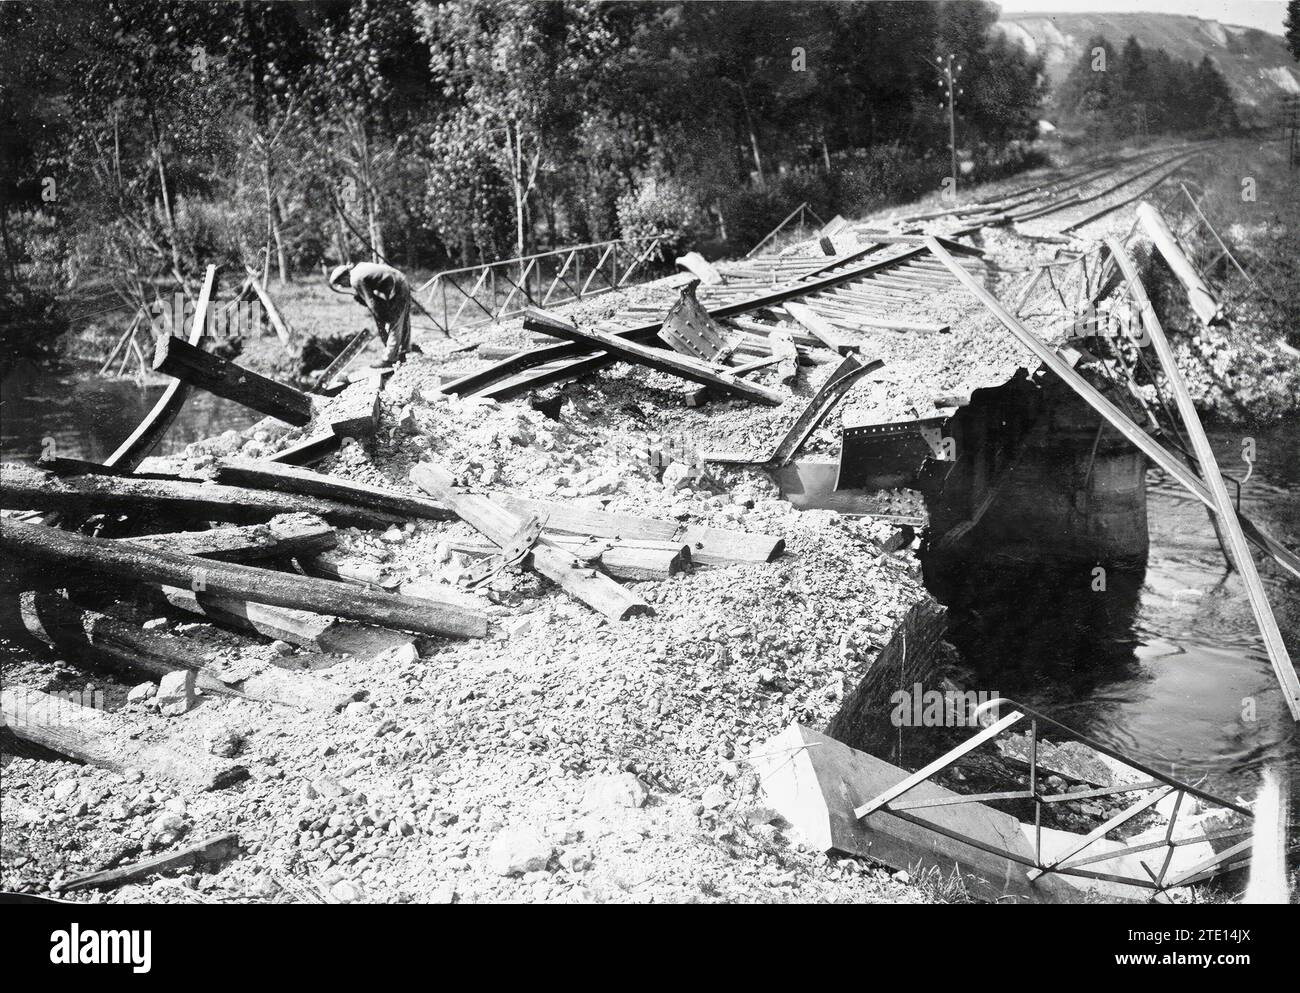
x=88, y=416
x=1166, y=666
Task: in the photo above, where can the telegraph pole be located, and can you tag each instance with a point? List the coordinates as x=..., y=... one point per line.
x=951, y=70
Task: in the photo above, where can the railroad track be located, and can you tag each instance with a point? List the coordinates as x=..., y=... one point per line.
x=860, y=289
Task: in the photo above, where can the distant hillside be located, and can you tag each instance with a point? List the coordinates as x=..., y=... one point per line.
x=1257, y=64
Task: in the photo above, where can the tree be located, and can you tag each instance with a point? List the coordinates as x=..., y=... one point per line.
x=1293, y=27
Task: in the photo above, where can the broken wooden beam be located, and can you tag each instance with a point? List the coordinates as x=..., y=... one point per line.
x=82, y=553
x=63, y=466
x=150, y=430
x=656, y=358
x=314, y=632
x=309, y=450
x=708, y=546
x=820, y=328
x=289, y=479
x=621, y=558
x=285, y=536
x=103, y=640
x=111, y=741
x=206, y=851
x=482, y=513
x=191, y=364
x=343, y=359
x=278, y=323
x=25, y=488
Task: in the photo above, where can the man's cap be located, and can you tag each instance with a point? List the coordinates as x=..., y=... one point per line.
x=338, y=273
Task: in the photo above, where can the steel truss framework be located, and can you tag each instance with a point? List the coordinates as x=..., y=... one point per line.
x=505, y=289
x=1157, y=786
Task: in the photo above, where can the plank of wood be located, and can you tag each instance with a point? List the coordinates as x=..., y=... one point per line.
x=111, y=741
x=144, y=439
x=310, y=450
x=278, y=323
x=26, y=488
x=708, y=546
x=286, y=536
x=656, y=358
x=288, y=479
x=820, y=328
x=595, y=589
x=100, y=639
x=344, y=358
x=191, y=364
x=782, y=346
x=79, y=552
x=206, y=851
x=621, y=558
x=314, y=632
x=62, y=466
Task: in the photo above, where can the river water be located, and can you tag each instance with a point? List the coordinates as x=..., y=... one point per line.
x=88, y=416
x=1167, y=672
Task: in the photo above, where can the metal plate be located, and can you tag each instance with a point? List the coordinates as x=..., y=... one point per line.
x=690, y=330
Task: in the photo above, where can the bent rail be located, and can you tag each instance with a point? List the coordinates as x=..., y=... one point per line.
x=149, y=432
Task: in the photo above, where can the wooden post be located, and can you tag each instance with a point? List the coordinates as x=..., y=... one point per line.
x=215, y=848
x=186, y=362
x=78, y=552
x=277, y=322
x=290, y=479
x=821, y=328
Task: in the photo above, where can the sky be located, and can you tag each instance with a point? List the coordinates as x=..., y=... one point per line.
x=1266, y=15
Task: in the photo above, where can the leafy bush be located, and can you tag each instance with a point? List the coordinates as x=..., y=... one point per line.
x=664, y=207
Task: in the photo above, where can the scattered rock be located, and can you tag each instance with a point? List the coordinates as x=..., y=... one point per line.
x=175, y=694
x=608, y=793
x=515, y=851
